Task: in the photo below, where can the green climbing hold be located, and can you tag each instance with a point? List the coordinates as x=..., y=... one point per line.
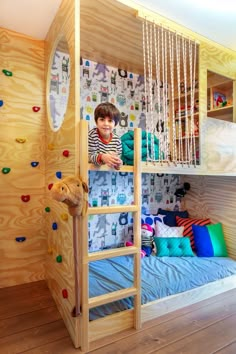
x=59, y=259
x=47, y=209
x=7, y=72
x=6, y=170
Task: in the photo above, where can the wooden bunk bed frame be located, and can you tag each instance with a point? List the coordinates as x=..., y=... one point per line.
x=78, y=21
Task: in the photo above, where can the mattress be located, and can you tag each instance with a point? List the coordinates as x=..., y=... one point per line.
x=160, y=277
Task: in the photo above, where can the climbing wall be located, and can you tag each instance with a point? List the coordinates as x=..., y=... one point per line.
x=22, y=167
x=61, y=155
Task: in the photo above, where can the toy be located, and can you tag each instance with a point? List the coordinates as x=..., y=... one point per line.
x=147, y=233
x=180, y=192
x=73, y=192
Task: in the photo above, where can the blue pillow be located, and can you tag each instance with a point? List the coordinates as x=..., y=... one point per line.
x=173, y=247
x=209, y=240
x=170, y=216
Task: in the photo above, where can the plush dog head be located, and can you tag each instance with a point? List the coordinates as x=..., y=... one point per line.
x=73, y=192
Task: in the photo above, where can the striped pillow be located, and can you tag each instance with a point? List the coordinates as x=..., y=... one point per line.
x=187, y=223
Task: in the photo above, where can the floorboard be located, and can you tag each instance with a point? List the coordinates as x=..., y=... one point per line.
x=30, y=323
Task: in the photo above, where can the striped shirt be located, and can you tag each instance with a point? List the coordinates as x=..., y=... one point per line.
x=97, y=146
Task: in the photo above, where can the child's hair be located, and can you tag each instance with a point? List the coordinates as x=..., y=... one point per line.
x=107, y=109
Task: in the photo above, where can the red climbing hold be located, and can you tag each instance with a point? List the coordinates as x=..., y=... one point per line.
x=66, y=153
x=36, y=108
x=50, y=186
x=65, y=293
x=25, y=198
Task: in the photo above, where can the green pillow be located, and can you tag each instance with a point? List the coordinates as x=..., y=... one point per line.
x=173, y=247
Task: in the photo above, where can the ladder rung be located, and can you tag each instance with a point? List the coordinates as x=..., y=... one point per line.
x=112, y=209
x=115, y=252
x=111, y=297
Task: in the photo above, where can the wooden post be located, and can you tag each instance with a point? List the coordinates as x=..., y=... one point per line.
x=137, y=226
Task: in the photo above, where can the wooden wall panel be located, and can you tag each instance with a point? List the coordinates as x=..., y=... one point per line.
x=60, y=242
x=24, y=57
x=214, y=197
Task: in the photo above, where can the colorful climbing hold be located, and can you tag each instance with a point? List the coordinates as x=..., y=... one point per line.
x=66, y=153
x=50, y=186
x=65, y=293
x=64, y=217
x=47, y=209
x=59, y=258
x=6, y=170
x=50, y=146
x=21, y=140
x=7, y=72
x=34, y=163
x=20, y=239
x=54, y=226
x=1, y=103
x=58, y=174
x=36, y=108
x=25, y=198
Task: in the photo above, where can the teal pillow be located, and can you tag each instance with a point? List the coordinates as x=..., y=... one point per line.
x=209, y=240
x=173, y=247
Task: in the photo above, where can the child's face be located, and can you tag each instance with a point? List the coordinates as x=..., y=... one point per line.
x=105, y=126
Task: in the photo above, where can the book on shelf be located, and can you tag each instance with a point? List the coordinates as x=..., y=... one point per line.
x=219, y=99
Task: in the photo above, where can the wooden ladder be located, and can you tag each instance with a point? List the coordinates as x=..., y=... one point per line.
x=89, y=303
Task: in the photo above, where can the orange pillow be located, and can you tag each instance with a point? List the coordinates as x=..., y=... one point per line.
x=187, y=223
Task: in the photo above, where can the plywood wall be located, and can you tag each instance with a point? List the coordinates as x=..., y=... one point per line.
x=22, y=262
x=60, y=276
x=214, y=197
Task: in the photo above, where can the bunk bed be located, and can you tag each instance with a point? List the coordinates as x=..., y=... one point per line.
x=74, y=21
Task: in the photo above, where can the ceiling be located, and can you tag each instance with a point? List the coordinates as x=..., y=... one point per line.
x=214, y=19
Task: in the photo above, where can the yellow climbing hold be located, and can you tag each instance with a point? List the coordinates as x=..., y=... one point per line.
x=51, y=147
x=21, y=140
x=64, y=217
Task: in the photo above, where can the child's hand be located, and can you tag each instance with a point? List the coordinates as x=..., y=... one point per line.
x=112, y=160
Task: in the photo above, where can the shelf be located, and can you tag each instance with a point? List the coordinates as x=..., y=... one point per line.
x=224, y=113
x=183, y=95
x=196, y=114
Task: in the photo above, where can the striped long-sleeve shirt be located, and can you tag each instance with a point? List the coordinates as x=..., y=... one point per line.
x=97, y=146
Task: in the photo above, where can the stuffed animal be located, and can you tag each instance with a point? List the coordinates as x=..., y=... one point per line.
x=73, y=192
x=147, y=233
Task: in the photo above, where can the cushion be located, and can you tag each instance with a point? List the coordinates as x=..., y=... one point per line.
x=163, y=230
x=187, y=223
x=173, y=247
x=151, y=219
x=209, y=240
x=170, y=216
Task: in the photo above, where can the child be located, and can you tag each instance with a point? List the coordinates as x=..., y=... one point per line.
x=104, y=146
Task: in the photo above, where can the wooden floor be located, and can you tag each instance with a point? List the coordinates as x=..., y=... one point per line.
x=31, y=323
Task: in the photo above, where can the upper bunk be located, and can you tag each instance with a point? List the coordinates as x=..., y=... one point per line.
x=119, y=43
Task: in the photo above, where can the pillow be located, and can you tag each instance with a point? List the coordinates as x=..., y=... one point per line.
x=151, y=219
x=209, y=240
x=163, y=230
x=187, y=223
x=173, y=247
x=170, y=216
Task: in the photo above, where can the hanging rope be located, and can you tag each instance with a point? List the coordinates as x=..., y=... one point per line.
x=171, y=119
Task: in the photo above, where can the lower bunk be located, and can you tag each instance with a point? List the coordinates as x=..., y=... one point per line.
x=168, y=283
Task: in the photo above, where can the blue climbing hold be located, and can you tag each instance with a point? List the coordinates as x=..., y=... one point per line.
x=34, y=163
x=58, y=174
x=20, y=239
x=54, y=226
x=1, y=103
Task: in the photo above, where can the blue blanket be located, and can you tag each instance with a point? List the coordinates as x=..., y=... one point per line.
x=161, y=276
